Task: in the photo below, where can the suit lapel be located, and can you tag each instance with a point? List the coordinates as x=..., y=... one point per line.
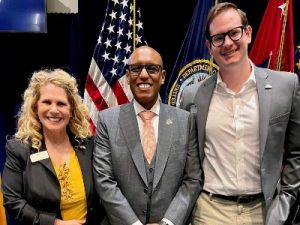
x=264, y=88
x=85, y=166
x=130, y=130
x=165, y=133
x=202, y=102
x=47, y=163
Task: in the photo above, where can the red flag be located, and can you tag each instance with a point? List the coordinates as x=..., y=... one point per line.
x=274, y=43
x=106, y=85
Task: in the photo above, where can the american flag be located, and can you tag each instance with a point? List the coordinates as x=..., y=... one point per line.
x=106, y=84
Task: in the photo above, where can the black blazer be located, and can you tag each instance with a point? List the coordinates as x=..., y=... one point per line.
x=31, y=190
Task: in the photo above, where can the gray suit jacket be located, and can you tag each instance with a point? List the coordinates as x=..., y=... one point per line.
x=279, y=132
x=120, y=174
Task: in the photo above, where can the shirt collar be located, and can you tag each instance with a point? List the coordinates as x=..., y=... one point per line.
x=251, y=78
x=139, y=108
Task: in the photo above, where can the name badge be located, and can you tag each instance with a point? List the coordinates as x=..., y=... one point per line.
x=39, y=156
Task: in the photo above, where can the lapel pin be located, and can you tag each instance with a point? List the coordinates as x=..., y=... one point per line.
x=268, y=86
x=169, y=121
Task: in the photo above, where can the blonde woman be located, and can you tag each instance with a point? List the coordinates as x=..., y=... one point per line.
x=47, y=178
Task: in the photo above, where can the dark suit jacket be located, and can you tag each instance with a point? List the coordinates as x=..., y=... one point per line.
x=31, y=190
x=279, y=132
x=120, y=173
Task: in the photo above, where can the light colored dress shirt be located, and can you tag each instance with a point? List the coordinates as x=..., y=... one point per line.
x=155, y=108
x=231, y=164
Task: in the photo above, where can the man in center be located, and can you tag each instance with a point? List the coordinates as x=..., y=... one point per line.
x=137, y=185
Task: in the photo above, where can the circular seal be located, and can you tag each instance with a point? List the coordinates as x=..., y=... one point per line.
x=191, y=73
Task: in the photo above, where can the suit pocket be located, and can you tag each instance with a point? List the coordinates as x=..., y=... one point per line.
x=278, y=119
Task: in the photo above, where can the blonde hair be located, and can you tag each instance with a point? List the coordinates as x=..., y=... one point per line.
x=29, y=128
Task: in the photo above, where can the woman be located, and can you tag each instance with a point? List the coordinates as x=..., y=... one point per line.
x=47, y=178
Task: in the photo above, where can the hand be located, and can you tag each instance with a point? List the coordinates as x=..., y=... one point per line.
x=69, y=222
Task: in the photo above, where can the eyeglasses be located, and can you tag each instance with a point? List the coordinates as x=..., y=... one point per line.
x=234, y=34
x=152, y=69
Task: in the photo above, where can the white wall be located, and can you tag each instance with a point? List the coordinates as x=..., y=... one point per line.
x=62, y=6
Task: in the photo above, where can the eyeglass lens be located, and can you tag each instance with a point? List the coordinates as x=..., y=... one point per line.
x=234, y=34
x=150, y=68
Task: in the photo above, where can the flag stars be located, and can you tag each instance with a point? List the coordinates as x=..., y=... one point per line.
x=130, y=21
x=120, y=31
x=131, y=7
x=123, y=17
x=129, y=35
x=113, y=15
x=139, y=12
x=111, y=28
x=105, y=56
x=127, y=48
x=124, y=3
x=113, y=72
x=115, y=2
x=107, y=43
x=125, y=61
x=118, y=45
x=115, y=59
x=139, y=25
x=138, y=39
x=112, y=52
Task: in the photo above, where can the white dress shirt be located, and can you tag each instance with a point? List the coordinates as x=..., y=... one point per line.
x=231, y=164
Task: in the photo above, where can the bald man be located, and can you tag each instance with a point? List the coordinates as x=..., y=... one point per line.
x=136, y=188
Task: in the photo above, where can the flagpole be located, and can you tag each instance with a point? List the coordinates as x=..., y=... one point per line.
x=134, y=24
x=279, y=57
